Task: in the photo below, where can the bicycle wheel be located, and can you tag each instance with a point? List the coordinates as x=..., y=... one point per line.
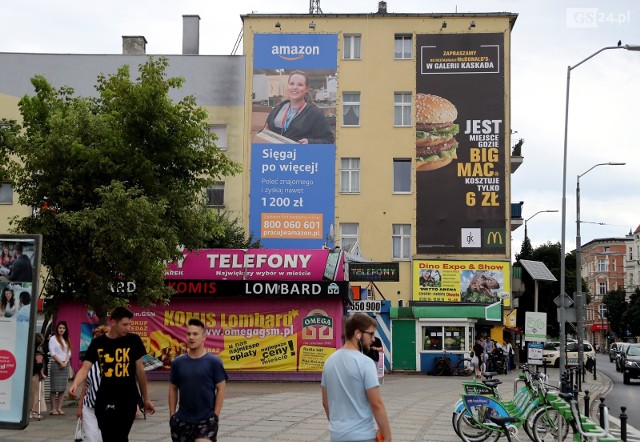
x=464, y=367
x=545, y=426
x=469, y=431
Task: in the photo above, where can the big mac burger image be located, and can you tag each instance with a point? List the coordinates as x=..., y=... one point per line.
x=435, y=131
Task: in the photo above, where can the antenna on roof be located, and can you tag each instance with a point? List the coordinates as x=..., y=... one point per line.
x=314, y=7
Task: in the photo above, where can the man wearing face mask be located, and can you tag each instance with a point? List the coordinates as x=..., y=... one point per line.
x=350, y=389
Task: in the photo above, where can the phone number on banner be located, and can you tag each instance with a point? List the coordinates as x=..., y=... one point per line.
x=291, y=225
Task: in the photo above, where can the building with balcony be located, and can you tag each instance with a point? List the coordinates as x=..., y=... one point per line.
x=632, y=262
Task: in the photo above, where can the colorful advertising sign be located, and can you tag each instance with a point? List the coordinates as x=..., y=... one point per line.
x=248, y=334
x=19, y=274
x=374, y=271
x=476, y=282
x=460, y=144
x=256, y=264
x=293, y=150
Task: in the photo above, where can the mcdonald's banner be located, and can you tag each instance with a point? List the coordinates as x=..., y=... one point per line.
x=469, y=282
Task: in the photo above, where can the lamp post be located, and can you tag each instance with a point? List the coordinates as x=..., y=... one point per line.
x=579, y=300
x=562, y=316
x=525, y=221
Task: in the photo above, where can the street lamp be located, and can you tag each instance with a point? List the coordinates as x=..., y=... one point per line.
x=579, y=301
x=525, y=221
x=562, y=312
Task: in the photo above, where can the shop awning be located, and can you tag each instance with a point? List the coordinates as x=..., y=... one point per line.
x=600, y=327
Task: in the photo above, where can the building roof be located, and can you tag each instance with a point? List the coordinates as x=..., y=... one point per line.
x=605, y=240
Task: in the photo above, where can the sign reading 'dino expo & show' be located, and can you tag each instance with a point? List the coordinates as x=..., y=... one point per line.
x=477, y=282
x=293, y=150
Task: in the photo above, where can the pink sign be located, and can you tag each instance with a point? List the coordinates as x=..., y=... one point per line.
x=258, y=264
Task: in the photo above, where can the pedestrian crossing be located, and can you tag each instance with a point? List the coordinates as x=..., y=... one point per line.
x=633, y=435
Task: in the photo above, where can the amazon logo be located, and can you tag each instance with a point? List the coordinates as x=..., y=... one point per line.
x=294, y=52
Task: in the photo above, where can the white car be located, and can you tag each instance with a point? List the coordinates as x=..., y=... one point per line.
x=551, y=353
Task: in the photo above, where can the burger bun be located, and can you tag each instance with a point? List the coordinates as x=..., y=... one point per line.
x=424, y=166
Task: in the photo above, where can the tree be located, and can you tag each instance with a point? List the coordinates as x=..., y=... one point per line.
x=631, y=316
x=617, y=306
x=225, y=232
x=117, y=182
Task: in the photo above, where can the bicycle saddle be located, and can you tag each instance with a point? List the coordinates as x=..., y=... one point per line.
x=493, y=383
x=489, y=374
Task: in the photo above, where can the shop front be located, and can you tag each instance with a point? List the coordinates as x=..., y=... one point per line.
x=262, y=325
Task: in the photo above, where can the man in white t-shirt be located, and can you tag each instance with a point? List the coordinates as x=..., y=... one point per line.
x=350, y=389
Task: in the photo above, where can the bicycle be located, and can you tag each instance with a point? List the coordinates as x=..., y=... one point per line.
x=444, y=367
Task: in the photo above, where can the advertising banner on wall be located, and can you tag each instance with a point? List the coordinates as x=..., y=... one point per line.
x=257, y=264
x=248, y=334
x=293, y=151
x=19, y=274
x=475, y=282
x=460, y=144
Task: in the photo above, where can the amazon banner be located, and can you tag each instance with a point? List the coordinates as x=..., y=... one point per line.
x=248, y=334
x=293, y=151
x=460, y=144
x=475, y=282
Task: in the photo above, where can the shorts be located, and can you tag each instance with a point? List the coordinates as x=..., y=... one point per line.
x=187, y=432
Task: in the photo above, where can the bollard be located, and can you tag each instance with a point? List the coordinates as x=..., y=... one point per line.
x=580, y=374
x=544, y=365
x=587, y=401
x=623, y=424
x=604, y=415
x=595, y=364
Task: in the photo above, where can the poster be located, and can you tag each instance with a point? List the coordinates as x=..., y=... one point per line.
x=19, y=273
x=248, y=334
x=460, y=144
x=293, y=150
x=475, y=282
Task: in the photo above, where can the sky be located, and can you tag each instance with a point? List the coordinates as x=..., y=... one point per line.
x=548, y=36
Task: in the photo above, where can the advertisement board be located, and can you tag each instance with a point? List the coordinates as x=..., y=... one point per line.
x=248, y=334
x=293, y=150
x=19, y=276
x=475, y=282
x=460, y=144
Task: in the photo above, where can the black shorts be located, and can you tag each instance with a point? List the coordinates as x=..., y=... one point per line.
x=187, y=432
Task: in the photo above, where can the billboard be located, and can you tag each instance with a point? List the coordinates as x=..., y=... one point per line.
x=473, y=282
x=19, y=275
x=293, y=150
x=287, y=334
x=257, y=264
x=460, y=144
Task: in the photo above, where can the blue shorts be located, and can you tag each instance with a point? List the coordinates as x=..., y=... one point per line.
x=187, y=432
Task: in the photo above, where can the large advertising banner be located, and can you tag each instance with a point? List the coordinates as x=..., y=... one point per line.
x=248, y=334
x=293, y=150
x=19, y=273
x=460, y=144
x=258, y=264
x=476, y=282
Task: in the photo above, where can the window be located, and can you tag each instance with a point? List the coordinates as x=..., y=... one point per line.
x=607, y=249
x=221, y=132
x=402, y=175
x=614, y=265
x=630, y=253
x=215, y=195
x=352, y=47
x=602, y=288
x=402, y=109
x=403, y=47
x=350, y=175
x=351, y=109
x=348, y=234
x=602, y=310
x=6, y=193
x=440, y=338
x=602, y=265
x=401, y=238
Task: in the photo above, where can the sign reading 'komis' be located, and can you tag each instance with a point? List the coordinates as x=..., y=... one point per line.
x=294, y=52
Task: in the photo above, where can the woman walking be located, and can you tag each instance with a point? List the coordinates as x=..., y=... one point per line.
x=38, y=401
x=60, y=349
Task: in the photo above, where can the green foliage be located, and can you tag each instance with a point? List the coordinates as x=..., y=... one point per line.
x=617, y=308
x=117, y=182
x=225, y=232
x=631, y=316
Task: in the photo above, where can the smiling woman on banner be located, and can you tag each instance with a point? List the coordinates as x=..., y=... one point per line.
x=298, y=118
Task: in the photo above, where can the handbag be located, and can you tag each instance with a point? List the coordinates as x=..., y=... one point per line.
x=79, y=433
x=71, y=372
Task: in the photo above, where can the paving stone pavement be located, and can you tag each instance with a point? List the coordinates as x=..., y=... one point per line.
x=419, y=408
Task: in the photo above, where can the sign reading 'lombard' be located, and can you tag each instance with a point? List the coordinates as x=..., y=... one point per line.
x=374, y=271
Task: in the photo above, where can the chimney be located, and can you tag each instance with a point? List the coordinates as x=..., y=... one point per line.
x=134, y=45
x=382, y=7
x=190, y=34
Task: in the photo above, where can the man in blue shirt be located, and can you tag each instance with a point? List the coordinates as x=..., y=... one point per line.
x=350, y=389
x=198, y=378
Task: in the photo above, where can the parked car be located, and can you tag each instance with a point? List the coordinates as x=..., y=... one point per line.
x=551, y=353
x=631, y=363
x=622, y=347
x=613, y=351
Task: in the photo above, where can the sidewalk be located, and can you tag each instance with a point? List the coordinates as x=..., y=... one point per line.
x=419, y=409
